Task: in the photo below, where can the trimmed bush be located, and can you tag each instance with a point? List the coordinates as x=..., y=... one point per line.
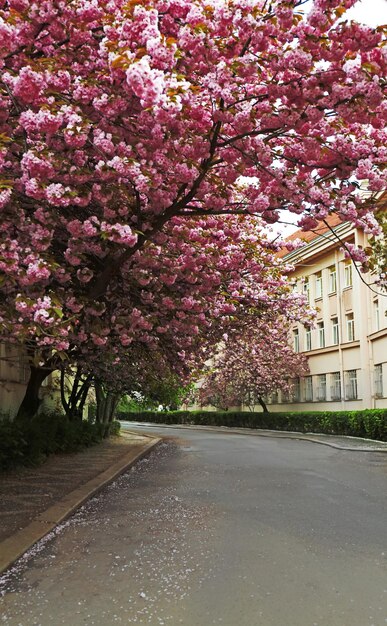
x=30, y=442
x=13, y=444
x=370, y=423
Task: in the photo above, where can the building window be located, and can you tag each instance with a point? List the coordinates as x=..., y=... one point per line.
x=319, y=289
x=285, y=394
x=336, y=386
x=351, y=385
x=296, y=341
x=308, y=339
x=305, y=289
x=321, y=334
x=296, y=390
x=332, y=279
x=308, y=389
x=335, y=330
x=376, y=315
x=378, y=380
x=274, y=397
x=348, y=274
x=322, y=387
x=350, y=327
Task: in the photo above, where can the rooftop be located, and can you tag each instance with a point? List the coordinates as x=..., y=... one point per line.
x=307, y=236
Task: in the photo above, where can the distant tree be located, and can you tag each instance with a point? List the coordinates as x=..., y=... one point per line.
x=167, y=393
x=252, y=362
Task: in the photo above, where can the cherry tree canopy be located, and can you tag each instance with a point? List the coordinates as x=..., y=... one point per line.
x=120, y=120
x=177, y=302
x=252, y=362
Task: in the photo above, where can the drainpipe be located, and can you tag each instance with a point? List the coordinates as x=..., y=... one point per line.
x=341, y=329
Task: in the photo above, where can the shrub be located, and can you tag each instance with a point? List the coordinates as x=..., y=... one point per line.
x=370, y=423
x=29, y=442
x=13, y=444
x=114, y=428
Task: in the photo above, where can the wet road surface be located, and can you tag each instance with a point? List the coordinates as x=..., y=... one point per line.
x=223, y=529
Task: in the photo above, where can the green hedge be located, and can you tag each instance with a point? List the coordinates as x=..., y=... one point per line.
x=30, y=442
x=370, y=423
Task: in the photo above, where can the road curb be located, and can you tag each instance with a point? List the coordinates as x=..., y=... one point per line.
x=324, y=442
x=17, y=544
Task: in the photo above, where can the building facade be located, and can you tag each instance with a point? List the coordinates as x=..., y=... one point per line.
x=347, y=350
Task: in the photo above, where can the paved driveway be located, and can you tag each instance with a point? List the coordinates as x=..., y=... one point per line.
x=224, y=529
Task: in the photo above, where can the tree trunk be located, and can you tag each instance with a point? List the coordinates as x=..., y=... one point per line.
x=83, y=398
x=31, y=401
x=100, y=400
x=263, y=404
x=107, y=402
x=116, y=397
x=74, y=405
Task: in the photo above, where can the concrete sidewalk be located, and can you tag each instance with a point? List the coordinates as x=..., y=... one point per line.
x=34, y=500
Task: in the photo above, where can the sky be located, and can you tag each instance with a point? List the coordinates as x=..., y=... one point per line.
x=371, y=12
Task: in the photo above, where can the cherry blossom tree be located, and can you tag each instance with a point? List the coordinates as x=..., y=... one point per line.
x=171, y=313
x=177, y=297
x=252, y=362
x=119, y=118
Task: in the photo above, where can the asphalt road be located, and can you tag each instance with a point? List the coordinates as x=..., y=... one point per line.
x=223, y=529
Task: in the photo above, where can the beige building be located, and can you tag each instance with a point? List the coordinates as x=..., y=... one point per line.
x=347, y=349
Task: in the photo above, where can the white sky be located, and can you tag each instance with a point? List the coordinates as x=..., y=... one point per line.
x=370, y=12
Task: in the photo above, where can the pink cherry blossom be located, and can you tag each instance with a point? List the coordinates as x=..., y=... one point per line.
x=144, y=145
